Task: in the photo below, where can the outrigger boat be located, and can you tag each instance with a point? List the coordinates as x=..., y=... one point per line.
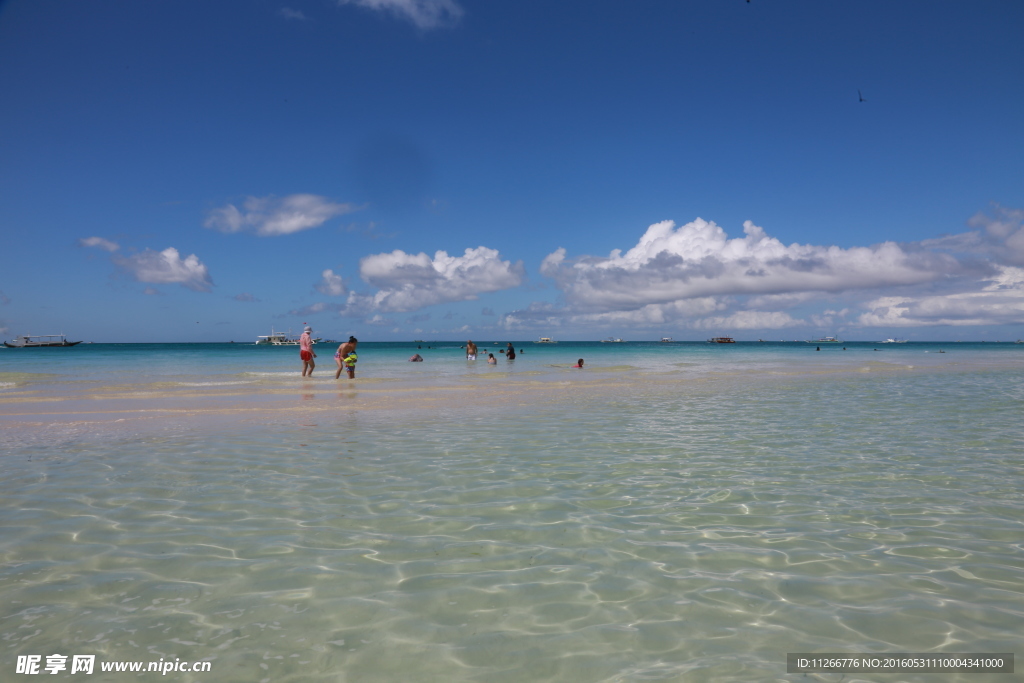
x=721, y=340
x=611, y=340
x=825, y=340
x=543, y=340
x=280, y=339
x=28, y=341
x=666, y=340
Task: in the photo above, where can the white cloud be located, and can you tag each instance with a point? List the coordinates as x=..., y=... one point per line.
x=425, y=14
x=407, y=282
x=749, y=320
x=698, y=260
x=998, y=300
x=151, y=291
x=269, y=216
x=167, y=267
x=289, y=13
x=330, y=284
x=98, y=243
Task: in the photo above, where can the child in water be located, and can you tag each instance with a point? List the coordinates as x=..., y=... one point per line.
x=491, y=360
x=579, y=363
x=350, y=364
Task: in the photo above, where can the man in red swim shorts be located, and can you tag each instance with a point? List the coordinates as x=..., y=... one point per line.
x=306, y=352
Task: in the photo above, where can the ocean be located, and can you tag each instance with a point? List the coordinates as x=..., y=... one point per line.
x=670, y=512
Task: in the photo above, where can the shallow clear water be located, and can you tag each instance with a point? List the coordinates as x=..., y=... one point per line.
x=664, y=514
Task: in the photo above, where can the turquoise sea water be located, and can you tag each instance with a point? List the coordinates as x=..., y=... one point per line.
x=678, y=512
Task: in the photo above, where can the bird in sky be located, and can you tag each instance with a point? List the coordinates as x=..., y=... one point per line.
x=860, y=98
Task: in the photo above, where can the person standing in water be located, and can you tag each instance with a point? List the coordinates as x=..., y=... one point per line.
x=306, y=352
x=510, y=352
x=345, y=351
x=470, y=350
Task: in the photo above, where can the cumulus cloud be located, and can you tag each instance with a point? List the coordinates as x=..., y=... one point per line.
x=407, y=282
x=167, y=267
x=269, y=216
x=695, y=276
x=998, y=300
x=425, y=14
x=98, y=243
x=698, y=259
x=330, y=284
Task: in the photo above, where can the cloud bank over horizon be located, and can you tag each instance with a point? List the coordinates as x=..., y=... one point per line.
x=694, y=275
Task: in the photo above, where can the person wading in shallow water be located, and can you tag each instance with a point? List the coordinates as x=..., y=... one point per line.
x=510, y=353
x=343, y=352
x=306, y=352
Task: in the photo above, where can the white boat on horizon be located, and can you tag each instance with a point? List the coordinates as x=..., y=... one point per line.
x=611, y=340
x=280, y=339
x=545, y=340
x=825, y=340
x=893, y=340
x=667, y=340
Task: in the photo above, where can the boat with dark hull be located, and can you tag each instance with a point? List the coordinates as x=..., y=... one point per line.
x=34, y=341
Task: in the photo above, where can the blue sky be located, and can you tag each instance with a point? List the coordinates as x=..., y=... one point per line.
x=447, y=169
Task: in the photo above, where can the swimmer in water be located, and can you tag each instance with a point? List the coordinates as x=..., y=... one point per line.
x=416, y=358
x=491, y=360
x=579, y=363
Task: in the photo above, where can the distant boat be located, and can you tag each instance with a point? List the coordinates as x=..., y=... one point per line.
x=666, y=340
x=825, y=340
x=32, y=341
x=721, y=340
x=611, y=340
x=279, y=339
x=893, y=340
x=544, y=340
